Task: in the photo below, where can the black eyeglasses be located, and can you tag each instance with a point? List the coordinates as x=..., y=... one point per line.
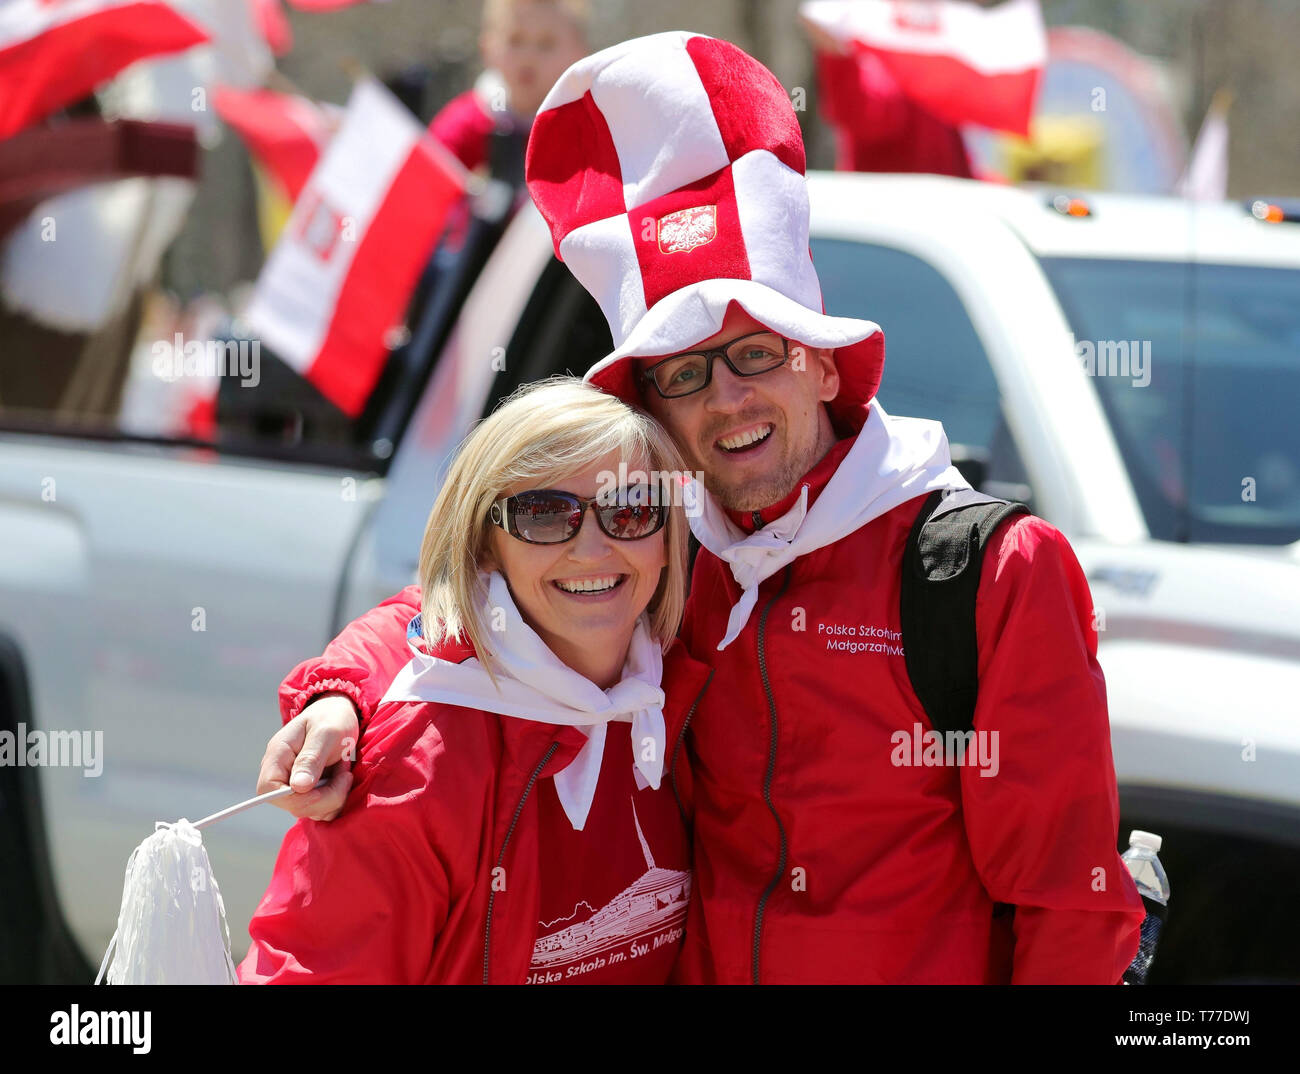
x=549, y=516
x=746, y=356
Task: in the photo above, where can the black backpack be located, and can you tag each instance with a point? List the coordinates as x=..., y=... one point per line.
x=941, y=576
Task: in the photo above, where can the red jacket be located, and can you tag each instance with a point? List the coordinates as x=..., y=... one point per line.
x=464, y=126
x=453, y=862
x=877, y=128
x=820, y=858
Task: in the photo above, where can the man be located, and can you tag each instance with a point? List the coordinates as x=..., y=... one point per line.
x=832, y=842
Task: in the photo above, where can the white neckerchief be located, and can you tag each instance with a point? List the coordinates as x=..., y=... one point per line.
x=535, y=685
x=892, y=461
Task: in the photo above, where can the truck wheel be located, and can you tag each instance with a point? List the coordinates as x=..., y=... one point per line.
x=1231, y=913
x=20, y=916
x=36, y=945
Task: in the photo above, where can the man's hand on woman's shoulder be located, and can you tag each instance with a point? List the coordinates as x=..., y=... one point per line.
x=322, y=737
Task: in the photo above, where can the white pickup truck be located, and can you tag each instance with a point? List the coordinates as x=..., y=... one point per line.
x=1130, y=366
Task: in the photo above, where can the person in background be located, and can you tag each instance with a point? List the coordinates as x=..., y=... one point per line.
x=526, y=45
x=878, y=128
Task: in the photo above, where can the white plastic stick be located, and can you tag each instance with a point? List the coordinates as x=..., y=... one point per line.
x=267, y=797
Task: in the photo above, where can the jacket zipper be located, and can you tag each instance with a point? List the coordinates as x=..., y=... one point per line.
x=771, y=771
x=678, y=746
x=492, y=895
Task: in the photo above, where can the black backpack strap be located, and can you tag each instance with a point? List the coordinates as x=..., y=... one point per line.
x=941, y=576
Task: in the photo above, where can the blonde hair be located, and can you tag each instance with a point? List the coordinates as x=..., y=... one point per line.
x=541, y=434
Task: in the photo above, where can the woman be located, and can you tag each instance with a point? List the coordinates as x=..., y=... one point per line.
x=515, y=815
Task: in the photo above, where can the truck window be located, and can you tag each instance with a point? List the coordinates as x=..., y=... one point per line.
x=1195, y=365
x=562, y=331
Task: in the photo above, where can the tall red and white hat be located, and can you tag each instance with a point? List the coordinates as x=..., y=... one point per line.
x=670, y=170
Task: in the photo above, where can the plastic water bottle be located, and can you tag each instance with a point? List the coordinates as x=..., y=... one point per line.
x=1153, y=885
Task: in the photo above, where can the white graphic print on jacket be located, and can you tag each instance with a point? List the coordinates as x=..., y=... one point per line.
x=654, y=904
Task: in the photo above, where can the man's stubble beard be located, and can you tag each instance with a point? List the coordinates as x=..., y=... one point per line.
x=758, y=493
x=762, y=490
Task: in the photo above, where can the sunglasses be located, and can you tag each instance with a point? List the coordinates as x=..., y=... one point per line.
x=690, y=372
x=549, y=516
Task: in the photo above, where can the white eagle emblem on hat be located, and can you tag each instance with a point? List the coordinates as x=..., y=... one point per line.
x=688, y=228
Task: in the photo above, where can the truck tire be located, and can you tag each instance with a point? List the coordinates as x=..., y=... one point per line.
x=20, y=916
x=36, y=946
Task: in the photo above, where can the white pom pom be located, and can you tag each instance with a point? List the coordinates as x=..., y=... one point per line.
x=172, y=925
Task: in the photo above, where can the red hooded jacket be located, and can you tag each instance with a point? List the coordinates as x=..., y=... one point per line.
x=830, y=848
x=453, y=861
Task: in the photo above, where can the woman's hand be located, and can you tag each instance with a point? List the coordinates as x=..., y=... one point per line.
x=325, y=733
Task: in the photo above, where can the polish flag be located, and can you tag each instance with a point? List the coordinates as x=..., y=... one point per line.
x=961, y=62
x=285, y=133
x=338, y=281
x=55, y=52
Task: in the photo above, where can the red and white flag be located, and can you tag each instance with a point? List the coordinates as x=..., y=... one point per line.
x=54, y=52
x=961, y=62
x=339, y=279
x=285, y=133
